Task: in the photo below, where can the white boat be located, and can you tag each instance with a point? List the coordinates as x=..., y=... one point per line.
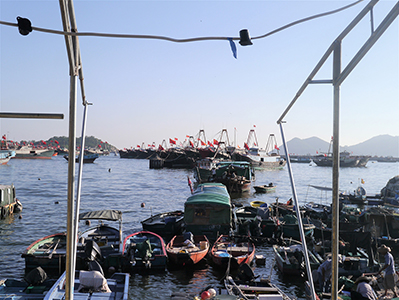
x=6, y=155
x=92, y=285
x=29, y=152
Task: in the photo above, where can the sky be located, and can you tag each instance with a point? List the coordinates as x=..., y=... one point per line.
x=147, y=90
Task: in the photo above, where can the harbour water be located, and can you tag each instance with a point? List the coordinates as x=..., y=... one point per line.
x=124, y=184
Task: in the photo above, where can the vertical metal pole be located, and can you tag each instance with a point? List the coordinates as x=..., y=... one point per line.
x=79, y=187
x=71, y=237
x=298, y=213
x=335, y=185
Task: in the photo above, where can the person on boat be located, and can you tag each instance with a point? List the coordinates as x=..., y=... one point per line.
x=290, y=202
x=389, y=267
x=324, y=273
x=363, y=289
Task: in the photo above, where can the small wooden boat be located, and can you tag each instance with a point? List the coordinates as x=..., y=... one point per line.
x=143, y=251
x=261, y=289
x=48, y=253
x=92, y=285
x=257, y=203
x=290, y=258
x=265, y=188
x=226, y=251
x=34, y=286
x=187, y=249
x=166, y=224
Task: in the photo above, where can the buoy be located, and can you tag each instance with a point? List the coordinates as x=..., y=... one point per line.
x=142, y=204
x=88, y=222
x=212, y=292
x=56, y=202
x=20, y=217
x=205, y=295
x=109, y=170
x=38, y=179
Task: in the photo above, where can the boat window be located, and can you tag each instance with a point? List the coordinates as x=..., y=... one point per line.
x=200, y=212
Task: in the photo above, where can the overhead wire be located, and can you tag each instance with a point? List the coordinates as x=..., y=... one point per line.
x=185, y=40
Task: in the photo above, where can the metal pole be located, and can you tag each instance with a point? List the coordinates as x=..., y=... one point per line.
x=71, y=237
x=298, y=213
x=31, y=115
x=79, y=184
x=335, y=185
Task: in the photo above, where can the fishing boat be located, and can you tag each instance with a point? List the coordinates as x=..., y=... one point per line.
x=9, y=204
x=48, y=252
x=257, y=221
x=260, y=159
x=143, y=251
x=27, y=152
x=34, y=286
x=5, y=156
x=92, y=285
x=87, y=158
x=166, y=224
x=227, y=252
x=266, y=188
x=289, y=258
x=290, y=228
x=187, y=249
x=108, y=238
x=235, y=175
x=208, y=211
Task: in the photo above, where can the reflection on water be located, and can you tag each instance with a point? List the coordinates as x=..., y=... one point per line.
x=41, y=186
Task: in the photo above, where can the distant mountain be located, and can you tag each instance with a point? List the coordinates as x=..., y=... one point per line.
x=309, y=146
x=382, y=145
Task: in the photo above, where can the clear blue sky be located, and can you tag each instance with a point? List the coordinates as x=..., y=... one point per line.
x=150, y=90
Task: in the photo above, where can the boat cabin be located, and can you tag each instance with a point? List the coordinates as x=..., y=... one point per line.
x=208, y=211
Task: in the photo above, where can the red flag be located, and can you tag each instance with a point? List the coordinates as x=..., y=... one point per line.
x=55, y=141
x=203, y=143
x=191, y=144
x=176, y=139
x=99, y=146
x=215, y=142
x=254, y=125
x=172, y=141
x=187, y=136
x=160, y=148
x=190, y=184
x=277, y=148
x=44, y=142
x=246, y=146
x=4, y=137
x=138, y=146
x=210, y=144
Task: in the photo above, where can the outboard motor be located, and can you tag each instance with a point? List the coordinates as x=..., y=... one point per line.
x=92, y=251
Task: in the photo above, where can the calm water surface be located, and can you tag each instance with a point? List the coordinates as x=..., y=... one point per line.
x=123, y=184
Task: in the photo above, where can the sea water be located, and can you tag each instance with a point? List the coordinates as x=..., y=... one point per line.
x=128, y=184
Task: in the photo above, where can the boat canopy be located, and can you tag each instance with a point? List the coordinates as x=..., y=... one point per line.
x=109, y=215
x=209, y=205
x=210, y=193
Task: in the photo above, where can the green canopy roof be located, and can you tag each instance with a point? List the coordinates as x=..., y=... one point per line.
x=210, y=193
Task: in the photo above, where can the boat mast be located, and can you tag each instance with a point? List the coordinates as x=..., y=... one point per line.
x=338, y=77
